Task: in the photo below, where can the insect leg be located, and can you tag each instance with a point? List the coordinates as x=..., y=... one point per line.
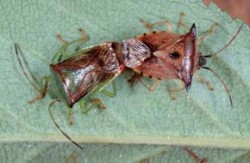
x=210, y=31
x=42, y=91
x=137, y=77
x=110, y=93
x=150, y=26
x=180, y=23
x=83, y=106
x=98, y=102
x=70, y=116
x=153, y=86
x=62, y=52
x=204, y=81
x=83, y=38
x=195, y=156
x=87, y=104
x=172, y=91
x=133, y=79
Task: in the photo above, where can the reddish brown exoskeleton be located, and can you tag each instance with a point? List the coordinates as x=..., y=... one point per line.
x=173, y=56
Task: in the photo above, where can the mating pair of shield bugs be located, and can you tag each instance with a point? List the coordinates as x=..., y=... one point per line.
x=160, y=55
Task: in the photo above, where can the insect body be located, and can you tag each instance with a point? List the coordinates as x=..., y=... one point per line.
x=86, y=73
x=161, y=55
x=172, y=56
x=175, y=56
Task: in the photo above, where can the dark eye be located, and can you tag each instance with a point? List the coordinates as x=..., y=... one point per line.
x=202, y=61
x=174, y=55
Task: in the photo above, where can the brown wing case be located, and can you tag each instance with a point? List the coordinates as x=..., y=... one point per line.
x=79, y=75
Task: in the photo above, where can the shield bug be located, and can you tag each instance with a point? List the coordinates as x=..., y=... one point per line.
x=75, y=76
x=175, y=56
x=84, y=74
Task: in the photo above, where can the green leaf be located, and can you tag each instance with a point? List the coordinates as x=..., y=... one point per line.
x=135, y=116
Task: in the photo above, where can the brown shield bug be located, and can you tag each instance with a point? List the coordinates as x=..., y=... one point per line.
x=174, y=56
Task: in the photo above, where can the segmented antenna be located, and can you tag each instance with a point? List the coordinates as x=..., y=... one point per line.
x=211, y=70
x=31, y=79
x=58, y=127
x=227, y=44
x=223, y=83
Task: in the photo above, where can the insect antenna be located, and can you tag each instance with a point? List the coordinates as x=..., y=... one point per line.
x=59, y=128
x=22, y=62
x=220, y=50
x=227, y=44
x=223, y=83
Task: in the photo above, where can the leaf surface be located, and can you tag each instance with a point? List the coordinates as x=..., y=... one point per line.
x=135, y=116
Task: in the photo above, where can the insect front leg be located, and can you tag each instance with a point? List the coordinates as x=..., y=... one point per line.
x=173, y=91
x=209, y=32
x=204, y=81
x=150, y=26
x=63, y=51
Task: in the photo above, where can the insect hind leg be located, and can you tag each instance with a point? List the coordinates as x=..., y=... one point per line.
x=207, y=33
